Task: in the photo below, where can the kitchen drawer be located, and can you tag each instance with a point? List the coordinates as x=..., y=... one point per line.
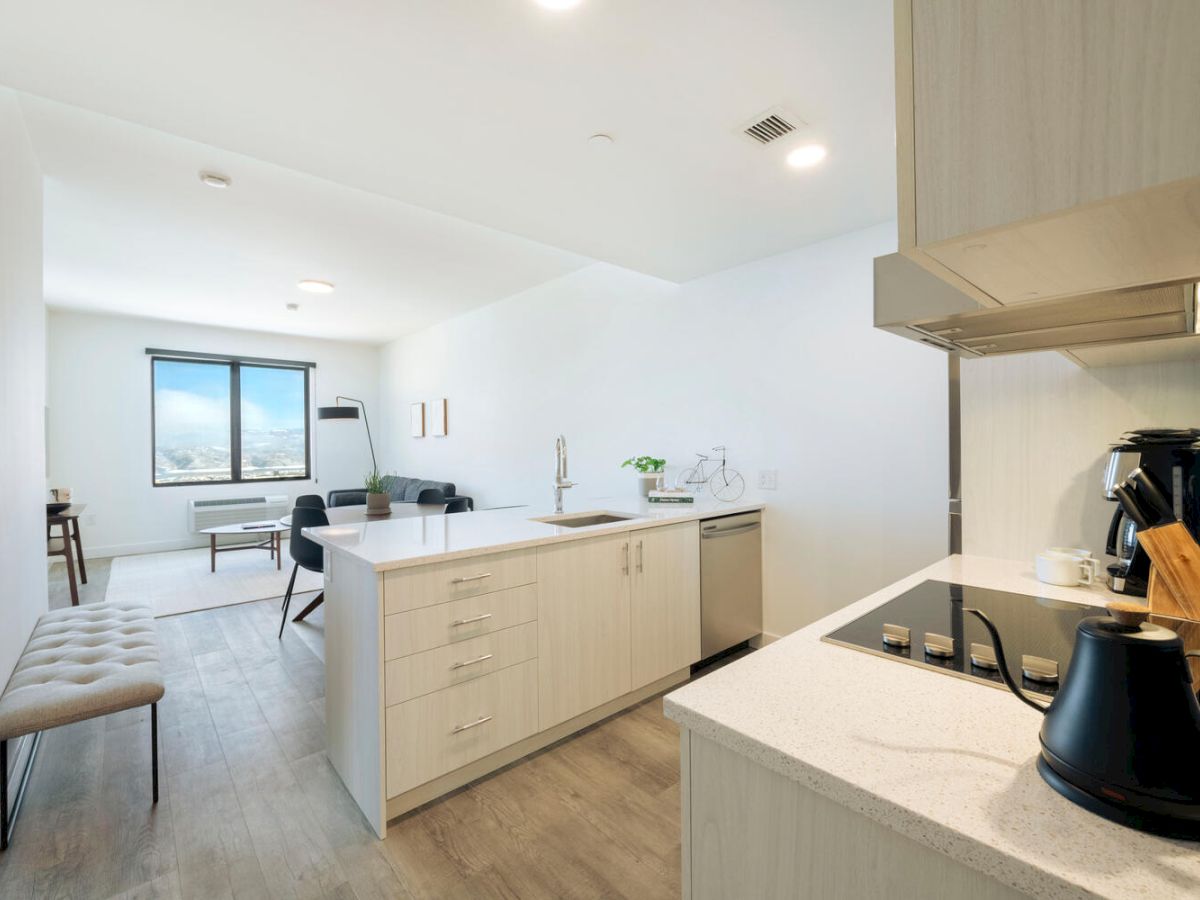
x=442, y=667
x=445, y=730
x=448, y=623
x=420, y=586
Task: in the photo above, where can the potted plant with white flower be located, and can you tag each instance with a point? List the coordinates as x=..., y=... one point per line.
x=649, y=472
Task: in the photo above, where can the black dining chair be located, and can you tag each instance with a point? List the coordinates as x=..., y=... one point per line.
x=457, y=505
x=306, y=554
x=311, y=500
x=431, y=495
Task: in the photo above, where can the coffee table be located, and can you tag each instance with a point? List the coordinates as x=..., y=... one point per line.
x=273, y=531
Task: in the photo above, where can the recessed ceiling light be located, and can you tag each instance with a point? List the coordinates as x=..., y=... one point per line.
x=215, y=179
x=808, y=155
x=558, y=4
x=313, y=286
x=292, y=307
x=600, y=140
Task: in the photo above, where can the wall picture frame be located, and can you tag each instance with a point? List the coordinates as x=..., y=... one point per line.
x=417, y=420
x=437, y=417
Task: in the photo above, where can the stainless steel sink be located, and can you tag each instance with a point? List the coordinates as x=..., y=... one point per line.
x=582, y=520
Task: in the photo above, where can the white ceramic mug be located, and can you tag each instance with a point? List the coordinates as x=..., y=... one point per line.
x=1067, y=566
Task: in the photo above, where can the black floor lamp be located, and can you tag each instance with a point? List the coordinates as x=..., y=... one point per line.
x=350, y=412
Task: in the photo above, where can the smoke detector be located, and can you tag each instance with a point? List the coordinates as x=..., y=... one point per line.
x=215, y=180
x=771, y=125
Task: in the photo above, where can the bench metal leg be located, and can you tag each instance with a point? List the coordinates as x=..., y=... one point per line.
x=154, y=747
x=8, y=818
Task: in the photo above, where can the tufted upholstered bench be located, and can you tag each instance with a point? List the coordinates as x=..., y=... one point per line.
x=80, y=663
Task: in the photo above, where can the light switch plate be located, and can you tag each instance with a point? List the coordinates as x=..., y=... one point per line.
x=768, y=479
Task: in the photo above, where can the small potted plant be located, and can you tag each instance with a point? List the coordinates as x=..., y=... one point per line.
x=650, y=472
x=379, y=501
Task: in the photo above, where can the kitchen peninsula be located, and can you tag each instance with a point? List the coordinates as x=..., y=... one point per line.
x=457, y=644
x=811, y=769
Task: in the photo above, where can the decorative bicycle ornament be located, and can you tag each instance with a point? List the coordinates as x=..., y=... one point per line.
x=725, y=483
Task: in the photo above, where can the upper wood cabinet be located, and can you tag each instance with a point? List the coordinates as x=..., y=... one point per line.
x=1011, y=109
x=583, y=625
x=665, y=600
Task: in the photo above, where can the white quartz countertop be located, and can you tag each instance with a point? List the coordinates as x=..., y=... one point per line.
x=945, y=761
x=398, y=543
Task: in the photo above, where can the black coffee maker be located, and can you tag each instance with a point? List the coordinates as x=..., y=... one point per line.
x=1171, y=459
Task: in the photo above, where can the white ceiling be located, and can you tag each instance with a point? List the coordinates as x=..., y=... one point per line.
x=129, y=228
x=481, y=109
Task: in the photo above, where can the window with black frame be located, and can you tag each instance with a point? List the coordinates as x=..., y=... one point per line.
x=226, y=420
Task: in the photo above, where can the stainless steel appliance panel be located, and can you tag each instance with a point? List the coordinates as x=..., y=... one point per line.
x=730, y=581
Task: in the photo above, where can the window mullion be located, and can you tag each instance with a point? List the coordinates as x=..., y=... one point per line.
x=235, y=421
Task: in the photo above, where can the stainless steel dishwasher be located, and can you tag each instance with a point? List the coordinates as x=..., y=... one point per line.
x=730, y=581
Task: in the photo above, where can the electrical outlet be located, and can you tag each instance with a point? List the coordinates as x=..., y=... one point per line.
x=768, y=479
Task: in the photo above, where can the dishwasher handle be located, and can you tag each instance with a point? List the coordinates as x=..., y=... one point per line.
x=714, y=531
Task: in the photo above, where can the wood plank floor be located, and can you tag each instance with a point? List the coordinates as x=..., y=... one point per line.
x=250, y=806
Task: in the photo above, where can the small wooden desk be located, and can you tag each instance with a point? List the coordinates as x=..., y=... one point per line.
x=274, y=542
x=68, y=521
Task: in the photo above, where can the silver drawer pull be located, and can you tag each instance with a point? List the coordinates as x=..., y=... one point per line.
x=475, y=724
x=472, y=662
x=471, y=621
x=467, y=578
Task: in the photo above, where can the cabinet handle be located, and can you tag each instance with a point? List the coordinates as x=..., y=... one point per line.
x=471, y=621
x=457, y=728
x=467, y=578
x=471, y=662
x=639, y=563
x=625, y=568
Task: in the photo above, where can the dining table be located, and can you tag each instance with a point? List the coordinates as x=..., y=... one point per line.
x=353, y=515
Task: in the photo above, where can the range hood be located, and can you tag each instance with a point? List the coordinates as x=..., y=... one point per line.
x=913, y=302
x=1117, y=272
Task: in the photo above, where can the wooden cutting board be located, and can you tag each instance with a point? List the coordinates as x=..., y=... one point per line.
x=1174, y=588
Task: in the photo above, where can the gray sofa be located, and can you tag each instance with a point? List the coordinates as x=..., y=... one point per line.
x=401, y=488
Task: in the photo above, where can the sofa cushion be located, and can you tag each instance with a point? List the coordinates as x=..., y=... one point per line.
x=81, y=662
x=416, y=485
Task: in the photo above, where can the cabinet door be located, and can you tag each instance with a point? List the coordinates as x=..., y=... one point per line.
x=1025, y=107
x=665, y=600
x=583, y=626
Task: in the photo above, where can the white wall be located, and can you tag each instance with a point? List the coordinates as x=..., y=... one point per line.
x=22, y=387
x=1036, y=431
x=776, y=359
x=99, y=399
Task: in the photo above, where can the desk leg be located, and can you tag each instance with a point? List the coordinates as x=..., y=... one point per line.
x=79, y=552
x=212, y=553
x=69, y=556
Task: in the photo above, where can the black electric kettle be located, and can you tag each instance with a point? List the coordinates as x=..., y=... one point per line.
x=1122, y=736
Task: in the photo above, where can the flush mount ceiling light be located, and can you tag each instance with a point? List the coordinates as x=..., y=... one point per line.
x=215, y=180
x=558, y=4
x=313, y=286
x=806, y=156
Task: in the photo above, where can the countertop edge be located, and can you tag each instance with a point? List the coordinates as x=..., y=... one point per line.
x=636, y=524
x=964, y=849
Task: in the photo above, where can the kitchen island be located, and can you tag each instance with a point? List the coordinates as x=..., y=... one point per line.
x=811, y=769
x=456, y=644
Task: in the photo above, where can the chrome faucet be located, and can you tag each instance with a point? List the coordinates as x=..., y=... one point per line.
x=560, y=472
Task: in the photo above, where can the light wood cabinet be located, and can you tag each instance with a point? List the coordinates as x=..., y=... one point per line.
x=421, y=586
x=583, y=625
x=1015, y=109
x=443, y=731
x=664, y=600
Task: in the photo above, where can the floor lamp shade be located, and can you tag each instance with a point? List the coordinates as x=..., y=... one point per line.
x=337, y=412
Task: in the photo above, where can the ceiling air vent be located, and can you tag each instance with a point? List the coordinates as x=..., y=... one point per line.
x=771, y=125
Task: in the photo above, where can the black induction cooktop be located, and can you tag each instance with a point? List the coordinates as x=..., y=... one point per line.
x=926, y=626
